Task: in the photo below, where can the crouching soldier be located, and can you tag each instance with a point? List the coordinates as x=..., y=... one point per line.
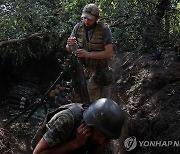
x=89, y=133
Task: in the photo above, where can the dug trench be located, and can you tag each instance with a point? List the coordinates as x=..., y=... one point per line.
x=147, y=89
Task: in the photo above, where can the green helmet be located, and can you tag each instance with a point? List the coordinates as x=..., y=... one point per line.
x=105, y=115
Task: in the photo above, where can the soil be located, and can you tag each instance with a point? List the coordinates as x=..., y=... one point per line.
x=148, y=90
x=18, y=135
x=146, y=86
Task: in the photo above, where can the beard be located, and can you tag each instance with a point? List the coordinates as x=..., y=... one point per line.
x=90, y=27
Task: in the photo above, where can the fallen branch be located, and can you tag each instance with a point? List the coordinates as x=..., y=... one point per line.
x=15, y=41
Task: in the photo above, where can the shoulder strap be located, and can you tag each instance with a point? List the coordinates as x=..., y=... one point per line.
x=77, y=110
x=79, y=24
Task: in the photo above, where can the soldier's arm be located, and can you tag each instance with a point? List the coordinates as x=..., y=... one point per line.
x=106, y=54
x=82, y=134
x=43, y=148
x=72, y=39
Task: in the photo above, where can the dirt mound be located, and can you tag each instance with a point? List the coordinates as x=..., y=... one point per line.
x=148, y=89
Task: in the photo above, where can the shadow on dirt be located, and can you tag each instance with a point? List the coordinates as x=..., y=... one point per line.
x=148, y=90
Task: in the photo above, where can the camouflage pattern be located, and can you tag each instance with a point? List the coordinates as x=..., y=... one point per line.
x=95, y=44
x=96, y=91
x=61, y=129
x=57, y=128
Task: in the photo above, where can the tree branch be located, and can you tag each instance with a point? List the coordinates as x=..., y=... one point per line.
x=15, y=41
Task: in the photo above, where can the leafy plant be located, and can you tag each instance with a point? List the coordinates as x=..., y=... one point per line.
x=35, y=28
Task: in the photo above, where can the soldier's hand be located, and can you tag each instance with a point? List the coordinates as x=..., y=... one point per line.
x=71, y=41
x=83, y=53
x=82, y=134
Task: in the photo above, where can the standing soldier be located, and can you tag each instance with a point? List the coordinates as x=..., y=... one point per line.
x=95, y=48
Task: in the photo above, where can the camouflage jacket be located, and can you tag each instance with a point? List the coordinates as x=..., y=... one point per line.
x=62, y=128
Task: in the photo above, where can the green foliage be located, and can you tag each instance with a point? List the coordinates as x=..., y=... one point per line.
x=135, y=24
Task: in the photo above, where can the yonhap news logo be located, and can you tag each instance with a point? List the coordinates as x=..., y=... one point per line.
x=131, y=142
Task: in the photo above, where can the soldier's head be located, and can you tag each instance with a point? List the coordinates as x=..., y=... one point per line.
x=90, y=14
x=106, y=117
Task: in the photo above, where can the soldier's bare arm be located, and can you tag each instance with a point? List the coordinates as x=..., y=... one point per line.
x=106, y=54
x=82, y=134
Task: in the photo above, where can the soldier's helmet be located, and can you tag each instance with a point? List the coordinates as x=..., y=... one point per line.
x=105, y=115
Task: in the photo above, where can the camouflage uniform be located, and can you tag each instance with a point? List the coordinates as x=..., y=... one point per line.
x=62, y=128
x=57, y=128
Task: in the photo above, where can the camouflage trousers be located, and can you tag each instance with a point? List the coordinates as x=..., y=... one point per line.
x=95, y=91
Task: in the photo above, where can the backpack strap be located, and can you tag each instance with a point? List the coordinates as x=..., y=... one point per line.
x=77, y=110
